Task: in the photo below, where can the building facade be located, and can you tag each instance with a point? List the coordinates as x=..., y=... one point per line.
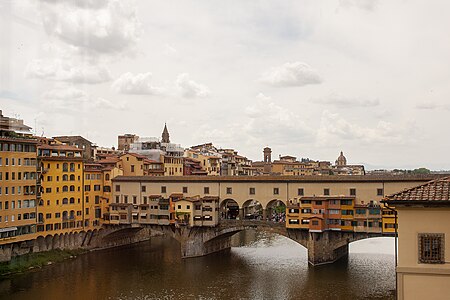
x=19, y=184
x=423, y=212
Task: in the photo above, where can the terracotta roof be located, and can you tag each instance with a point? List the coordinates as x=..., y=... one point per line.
x=312, y=178
x=431, y=193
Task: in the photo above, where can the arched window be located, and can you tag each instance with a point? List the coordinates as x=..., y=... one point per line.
x=72, y=188
x=72, y=214
x=64, y=215
x=65, y=167
x=65, y=188
x=72, y=167
x=41, y=218
x=72, y=177
x=107, y=177
x=65, y=177
x=72, y=200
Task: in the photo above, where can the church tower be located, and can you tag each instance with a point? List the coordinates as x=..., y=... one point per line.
x=267, y=155
x=165, y=135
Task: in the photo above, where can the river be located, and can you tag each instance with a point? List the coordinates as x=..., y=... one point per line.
x=261, y=266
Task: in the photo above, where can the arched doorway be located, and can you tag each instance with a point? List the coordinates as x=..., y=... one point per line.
x=229, y=209
x=276, y=211
x=253, y=210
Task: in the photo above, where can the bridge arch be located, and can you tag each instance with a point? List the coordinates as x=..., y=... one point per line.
x=229, y=209
x=252, y=209
x=276, y=211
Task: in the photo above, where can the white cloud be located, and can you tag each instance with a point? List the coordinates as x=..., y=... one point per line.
x=66, y=97
x=336, y=130
x=432, y=106
x=291, y=74
x=346, y=102
x=139, y=84
x=66, y=70
x=188, y=88
x=263, y=123
x=368, y=5
x=101, y=27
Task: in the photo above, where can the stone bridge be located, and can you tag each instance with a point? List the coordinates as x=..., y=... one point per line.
x=323, y=247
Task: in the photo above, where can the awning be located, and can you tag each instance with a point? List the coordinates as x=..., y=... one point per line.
x=8, y=229
x=135, y=214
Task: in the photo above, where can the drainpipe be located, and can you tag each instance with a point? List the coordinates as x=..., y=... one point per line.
x=396, y=238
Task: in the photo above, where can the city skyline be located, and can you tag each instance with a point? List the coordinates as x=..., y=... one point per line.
x=365, y=77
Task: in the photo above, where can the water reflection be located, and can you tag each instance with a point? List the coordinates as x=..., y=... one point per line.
x=264, y=266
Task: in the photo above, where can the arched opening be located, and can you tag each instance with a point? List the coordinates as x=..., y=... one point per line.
x=253, y=210
x=72, y=177
x=65, y=167
x=276, y=211
x=65, y=177
x=229, y=209
x=107, y=177
x=72, y=188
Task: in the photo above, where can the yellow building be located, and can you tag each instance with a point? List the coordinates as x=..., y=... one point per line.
x=173, y=166
x=134, y=164
x=18, y=191
x=61, y=207
x=93, y=194
x=423, y=212
x=209, y=163
x=388, y=216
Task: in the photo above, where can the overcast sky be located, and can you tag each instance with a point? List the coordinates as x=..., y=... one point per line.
x=306, y=78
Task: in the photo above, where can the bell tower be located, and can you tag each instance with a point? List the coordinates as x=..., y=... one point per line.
x=267, y=155
x=165, y=135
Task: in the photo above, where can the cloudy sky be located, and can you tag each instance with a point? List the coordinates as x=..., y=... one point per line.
x=307, y=78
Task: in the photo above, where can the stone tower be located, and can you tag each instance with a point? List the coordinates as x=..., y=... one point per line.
x=267, y=155
x=341, y=160
x=165, y=135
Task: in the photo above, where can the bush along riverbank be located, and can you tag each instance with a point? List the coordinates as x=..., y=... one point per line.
x=31, y=261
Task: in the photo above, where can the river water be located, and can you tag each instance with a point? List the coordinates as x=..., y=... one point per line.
x=261, y=266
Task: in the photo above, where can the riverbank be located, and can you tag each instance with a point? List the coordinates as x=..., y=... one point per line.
x=32, y=261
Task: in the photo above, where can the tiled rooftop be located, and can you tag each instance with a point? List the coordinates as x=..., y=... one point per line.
x=436, y=190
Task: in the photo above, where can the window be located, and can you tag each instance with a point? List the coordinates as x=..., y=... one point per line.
x=117, y=188
x=97, y=199
x=431, y=248
x=185, y=189
x=132, y=168
x=229, y=190
x=188, y=207
x=276, y=191
x=318, y=202
x=163, y=190
x=300, y=192
x=179, y=206
x=125, y=199
x=87, y=199
x=87, y=188
x=380, y=192
x=293, y=210
x=134, y=200
x=143, y=188
x=326, y=192
x=315, y=223
x=206, y=190
x=352, y=192
x=252, y=191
